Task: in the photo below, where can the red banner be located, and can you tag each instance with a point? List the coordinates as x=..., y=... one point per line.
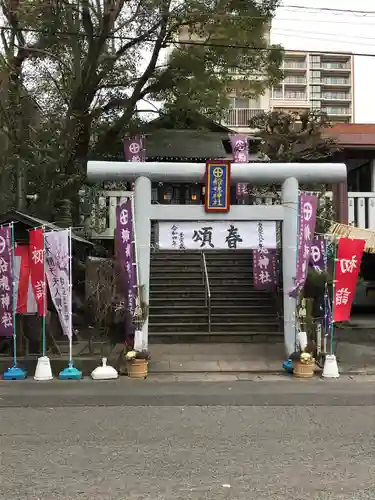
x=38, y=281
x=348, y=263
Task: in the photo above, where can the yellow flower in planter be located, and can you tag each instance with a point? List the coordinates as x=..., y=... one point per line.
x=306, y=358
x=131, y=355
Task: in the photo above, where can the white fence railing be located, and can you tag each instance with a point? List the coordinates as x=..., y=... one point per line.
x=361, y=208
x=240, y=117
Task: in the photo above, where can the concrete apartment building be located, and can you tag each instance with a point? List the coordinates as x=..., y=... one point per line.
x=317, y=81
x=311, y=81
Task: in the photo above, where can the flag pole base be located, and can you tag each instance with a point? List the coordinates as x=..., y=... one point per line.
x=15, y=373
x=104, y=372
x=330, y=369
x=70, y=373
x=43, y=369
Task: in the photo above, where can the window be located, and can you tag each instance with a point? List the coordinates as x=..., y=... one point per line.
x=241, y=102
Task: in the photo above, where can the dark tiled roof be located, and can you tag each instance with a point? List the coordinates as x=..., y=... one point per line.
x=353, y=134
x=185, y=144
x=190, y=144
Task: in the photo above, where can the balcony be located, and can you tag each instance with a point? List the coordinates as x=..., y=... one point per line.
x=335, y=81
x=335, y=66
x=336, y=96
x=337, y=111
x=295, y=96
x=361, y=210
x=295, y=80
x=295, y=65
x=240, y=117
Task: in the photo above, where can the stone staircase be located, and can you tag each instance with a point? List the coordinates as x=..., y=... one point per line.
x=177, y=299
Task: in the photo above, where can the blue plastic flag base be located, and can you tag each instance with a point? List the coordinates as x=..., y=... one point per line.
x=15, y=373
x=70, y=373
x=288, y=366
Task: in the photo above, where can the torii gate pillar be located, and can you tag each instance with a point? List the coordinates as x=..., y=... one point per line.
x=288, y=174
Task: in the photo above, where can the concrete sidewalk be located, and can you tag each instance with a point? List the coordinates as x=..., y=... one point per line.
x=240, y=359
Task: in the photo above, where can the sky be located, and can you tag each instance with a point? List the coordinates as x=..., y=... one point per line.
x=310, y=29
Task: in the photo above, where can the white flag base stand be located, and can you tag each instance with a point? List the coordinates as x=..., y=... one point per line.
x=104, y=372
x=43, y=369
x=330, y=369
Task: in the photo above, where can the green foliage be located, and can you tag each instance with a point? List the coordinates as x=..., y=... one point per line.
x=90, y=65
x=298, y=137
x=294, y=136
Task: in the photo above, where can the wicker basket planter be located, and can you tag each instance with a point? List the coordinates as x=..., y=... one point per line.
x=303, y=370
x=137, y=368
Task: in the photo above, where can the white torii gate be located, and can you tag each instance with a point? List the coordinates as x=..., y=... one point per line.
x=288, y=174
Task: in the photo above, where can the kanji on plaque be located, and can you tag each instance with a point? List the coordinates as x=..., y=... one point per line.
x=6, y=283
x=37, y=268
x=217, y=198
x=348, y=262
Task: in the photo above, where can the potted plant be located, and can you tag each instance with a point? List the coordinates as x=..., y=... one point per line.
x=137, y=363
x=304, y=362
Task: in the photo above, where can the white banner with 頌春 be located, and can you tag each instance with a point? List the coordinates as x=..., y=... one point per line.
x=231, y=235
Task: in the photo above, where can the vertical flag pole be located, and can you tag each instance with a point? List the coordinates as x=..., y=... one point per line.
x=332, y=325
x=44, y=297
x=14, y=373
x=14, y=299
x=70, y=373
x=70, y=300
x=330, y=368
x=43, y=369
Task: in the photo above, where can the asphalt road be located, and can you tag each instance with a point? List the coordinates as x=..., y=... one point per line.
x=57, y=442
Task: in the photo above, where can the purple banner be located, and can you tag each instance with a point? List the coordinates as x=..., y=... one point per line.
x=6, y=283
x=264, y=269
x=134, y=149
x=307, y=219
x=240, y=152
x=125, y=252
x=318, y=254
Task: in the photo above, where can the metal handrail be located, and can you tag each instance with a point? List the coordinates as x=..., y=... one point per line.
x=207, y=289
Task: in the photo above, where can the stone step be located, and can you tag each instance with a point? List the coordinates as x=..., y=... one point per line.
x=245, y=326
x=230, y=268
x=184, y=274
x=175, y=262
x=177, y=302
x=235, y=308
x=175, y=318
x=239, y=317
x=191, y=280
x=201, y=326
x=229, y=255
x=186, y=308
x=228, y=278
x=165, y=293
x=176, y=256
x=215, y=337
x=235, y=286
x=164, y=284
x=229, y=262
x=158, y=267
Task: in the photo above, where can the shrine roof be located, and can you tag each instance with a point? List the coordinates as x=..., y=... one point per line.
x=188, y=144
